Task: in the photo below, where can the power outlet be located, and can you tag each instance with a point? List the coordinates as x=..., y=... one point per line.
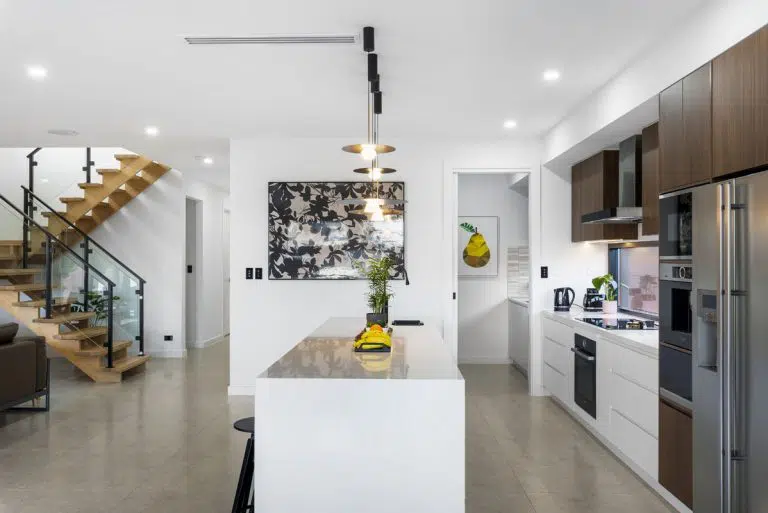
x=544, y=271
x=168, y=338
x=249, y=273
x=259, y=272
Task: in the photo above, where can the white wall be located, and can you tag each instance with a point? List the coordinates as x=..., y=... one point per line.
x=708, y=33
x=269, y=317
x=483, y=312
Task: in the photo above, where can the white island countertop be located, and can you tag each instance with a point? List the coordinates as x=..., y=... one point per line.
x=642, y=341
x=343, y=432
x=418, y=352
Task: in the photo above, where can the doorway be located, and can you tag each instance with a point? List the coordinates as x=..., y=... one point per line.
x=193, y=240
x=474, y=304
x=225, y=246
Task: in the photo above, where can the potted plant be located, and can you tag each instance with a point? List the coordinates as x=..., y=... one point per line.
x=377, y=272
x=607, y=285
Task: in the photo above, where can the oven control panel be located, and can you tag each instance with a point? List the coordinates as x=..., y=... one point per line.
x=676, y=272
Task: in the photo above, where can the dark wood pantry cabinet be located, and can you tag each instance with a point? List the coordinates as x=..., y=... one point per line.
x=685, y=131
x=650, y=145
x=740, y=106
x=595, y=186
x=676, y=452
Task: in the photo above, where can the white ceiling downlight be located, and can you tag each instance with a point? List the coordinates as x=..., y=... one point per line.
x=273, y=39
x=205, y=159
x=151, y=131
x=64, y=132
x=551, y=75
x=37, y=72
x=510, y=123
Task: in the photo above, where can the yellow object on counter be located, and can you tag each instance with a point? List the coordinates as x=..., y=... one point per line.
x=373, y=341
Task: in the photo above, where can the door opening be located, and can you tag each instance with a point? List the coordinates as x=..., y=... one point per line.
x=192, y=240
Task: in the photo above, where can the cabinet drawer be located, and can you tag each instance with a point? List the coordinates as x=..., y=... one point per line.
x=636, y=367
x=635, y=403
x=557, y=356
x=556, y=384
x=557, y=332
x=635, y=443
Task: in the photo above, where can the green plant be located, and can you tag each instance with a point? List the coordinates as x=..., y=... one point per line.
x=607, y=284
x=377, y=272
x=468, y=227
x=98, y=303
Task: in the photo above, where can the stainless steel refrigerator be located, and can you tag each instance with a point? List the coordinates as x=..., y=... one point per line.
x=729, y=308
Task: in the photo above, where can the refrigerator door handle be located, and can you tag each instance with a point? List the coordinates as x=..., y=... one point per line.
x=724, y=333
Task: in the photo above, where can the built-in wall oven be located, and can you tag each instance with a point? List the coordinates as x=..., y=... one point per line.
x=675, y=327
x=585, y=374
x=676, y=226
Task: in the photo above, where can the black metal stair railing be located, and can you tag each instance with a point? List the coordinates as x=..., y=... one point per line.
x=51, y=242
x=87, y=245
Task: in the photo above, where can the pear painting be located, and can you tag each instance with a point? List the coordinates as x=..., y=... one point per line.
x=476, y=253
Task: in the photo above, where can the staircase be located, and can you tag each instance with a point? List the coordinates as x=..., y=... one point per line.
x=66, y=316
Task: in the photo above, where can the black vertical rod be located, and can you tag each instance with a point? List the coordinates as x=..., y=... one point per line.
x=110, y=316
x=88, y=165
x=29, y=208
x=141, y=318
x=86, y=274
x=48, y=277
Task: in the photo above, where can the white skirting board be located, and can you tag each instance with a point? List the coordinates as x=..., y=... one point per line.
x=647, y=479
x=208, y=343
x=489, y=360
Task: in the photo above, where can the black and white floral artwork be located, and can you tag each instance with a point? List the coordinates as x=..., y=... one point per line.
x=314, y=236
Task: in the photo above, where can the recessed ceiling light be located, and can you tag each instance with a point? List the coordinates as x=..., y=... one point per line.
x=151, y=131
x=551, y=75
x=510, y=123
x=207, y=161
x=43, y=180
x=66, y=132
x=37, y=72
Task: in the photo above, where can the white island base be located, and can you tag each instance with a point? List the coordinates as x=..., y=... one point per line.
x=338, y=432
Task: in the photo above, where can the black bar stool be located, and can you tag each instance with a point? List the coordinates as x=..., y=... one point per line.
x=244, y=493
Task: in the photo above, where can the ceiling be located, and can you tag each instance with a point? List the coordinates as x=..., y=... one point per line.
x=454, y=68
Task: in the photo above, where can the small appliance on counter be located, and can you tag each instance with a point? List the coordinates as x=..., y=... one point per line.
x=620, y=324
x=593, y=301
x=564, y=298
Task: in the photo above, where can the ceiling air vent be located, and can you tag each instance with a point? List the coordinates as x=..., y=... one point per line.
x=343, y=39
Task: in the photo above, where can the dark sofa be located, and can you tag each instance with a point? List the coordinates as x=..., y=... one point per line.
x=24, y=371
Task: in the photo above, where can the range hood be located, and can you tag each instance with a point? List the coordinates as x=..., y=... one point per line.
x=629, y=185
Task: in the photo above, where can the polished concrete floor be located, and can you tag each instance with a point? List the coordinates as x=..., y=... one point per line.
x=163, y=441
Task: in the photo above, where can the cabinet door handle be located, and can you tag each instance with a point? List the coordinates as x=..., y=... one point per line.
x=582, y=355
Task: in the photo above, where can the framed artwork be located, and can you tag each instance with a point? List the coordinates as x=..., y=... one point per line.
x=478, y=246
x=313, y=235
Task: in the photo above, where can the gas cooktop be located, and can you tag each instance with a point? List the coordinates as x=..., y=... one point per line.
x=620, y=324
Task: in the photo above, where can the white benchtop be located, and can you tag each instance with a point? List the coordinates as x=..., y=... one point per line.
x=642, y=341
x=418, y=352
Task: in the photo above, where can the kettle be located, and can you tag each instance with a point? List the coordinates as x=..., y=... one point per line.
x=564, y=298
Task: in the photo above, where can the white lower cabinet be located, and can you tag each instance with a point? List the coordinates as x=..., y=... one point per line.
x=627, y=392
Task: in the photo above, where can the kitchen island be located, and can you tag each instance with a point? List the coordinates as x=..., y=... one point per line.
x=338, y=431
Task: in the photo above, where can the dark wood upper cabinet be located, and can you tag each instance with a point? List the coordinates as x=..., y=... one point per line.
x=576, y=178
x=697, y=123
x=676, y=452
x=594, y=183
x=685, y=131
x=674, y=172
x=650, y=142
x=740, y=106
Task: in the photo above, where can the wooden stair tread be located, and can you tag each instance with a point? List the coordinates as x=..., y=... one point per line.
x=40, y=303
x=107, y=171
x=128, y=363
x=23, y=287
x=118, y=345
x=82, y=334
x=92, y=185
x=65, y=318
x=126, y=156
x=53, y=214
x=137, y=181
x=19, y=272
x=10, y=243
x=103, y=205
x=71, y=199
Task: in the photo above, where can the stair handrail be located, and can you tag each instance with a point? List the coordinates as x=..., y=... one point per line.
x=84, y=235
x=48, y=270
x=88, y=241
